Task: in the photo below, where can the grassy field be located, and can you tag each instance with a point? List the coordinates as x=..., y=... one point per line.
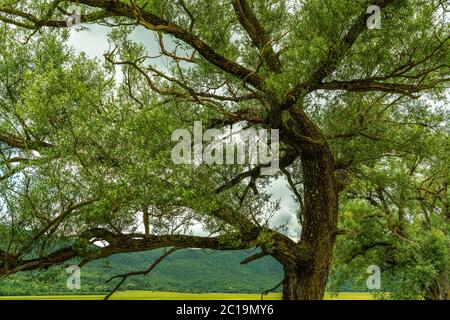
x=149, y=295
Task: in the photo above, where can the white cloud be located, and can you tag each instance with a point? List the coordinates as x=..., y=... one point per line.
x=286, y=215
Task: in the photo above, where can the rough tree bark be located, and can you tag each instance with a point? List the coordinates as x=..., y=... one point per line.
x=439, y=289
x=306, y=273
x=307, y=265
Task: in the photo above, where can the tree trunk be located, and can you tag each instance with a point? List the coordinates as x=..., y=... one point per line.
x=305, y=284
x=306, y=277
x=291, y=284
x=439, y=289
x=306, y=274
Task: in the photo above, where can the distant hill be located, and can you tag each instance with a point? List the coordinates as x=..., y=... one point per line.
x=184, y=271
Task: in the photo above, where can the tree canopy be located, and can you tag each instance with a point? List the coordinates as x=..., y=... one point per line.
x=362, y=117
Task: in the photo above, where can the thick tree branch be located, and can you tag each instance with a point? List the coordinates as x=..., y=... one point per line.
x=10, y=263
x=257, y=34
x=21, y=143
x=156, y=23
x=33, y=22
x=373, y=85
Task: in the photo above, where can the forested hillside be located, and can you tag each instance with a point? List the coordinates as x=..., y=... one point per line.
x=184, y=271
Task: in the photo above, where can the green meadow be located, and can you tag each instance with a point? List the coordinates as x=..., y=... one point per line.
x=150, y=295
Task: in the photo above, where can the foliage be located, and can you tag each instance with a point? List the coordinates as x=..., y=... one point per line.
x=362, y=115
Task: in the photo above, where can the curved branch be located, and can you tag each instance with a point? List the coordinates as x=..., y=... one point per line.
x=121, y=243
x=135, y=273
x=265, y=292
x=254, y=257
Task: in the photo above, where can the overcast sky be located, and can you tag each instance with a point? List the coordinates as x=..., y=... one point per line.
x=94, y=43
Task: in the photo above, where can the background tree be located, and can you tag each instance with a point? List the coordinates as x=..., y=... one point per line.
x=276, y=64
x=396, y=216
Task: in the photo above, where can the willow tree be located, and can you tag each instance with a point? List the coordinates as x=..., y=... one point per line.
x=395, y=211
x=271, y=64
